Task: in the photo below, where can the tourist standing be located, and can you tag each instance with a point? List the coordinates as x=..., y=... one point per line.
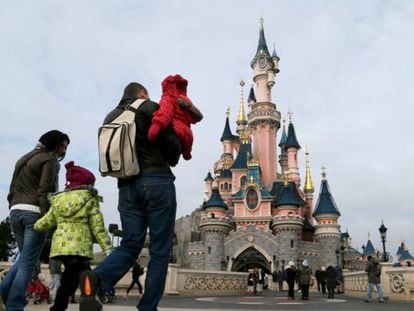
x=373, y=269
x=280, y=278
x=330, y=281
x=322, y=276
x=290, y=279
x=305, y=275
x=35, y=176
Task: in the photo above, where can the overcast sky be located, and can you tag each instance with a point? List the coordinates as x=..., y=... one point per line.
x=346, y=72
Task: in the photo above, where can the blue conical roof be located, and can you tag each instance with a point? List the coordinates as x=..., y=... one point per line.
x=283, y=138
x=274, y=54
x=326, y=203
x=291, y=140
x=215, y=200
x=252, y=97
x=227, y=134
x=209, y=177
x=406, y=255
x=369, y=249
x=243, y=156
x=400, y=249
x=289, y=196
x=253, y=175
x=261, y=47
x=277, y=189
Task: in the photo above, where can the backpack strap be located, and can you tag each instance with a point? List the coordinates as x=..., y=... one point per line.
x=135, y=105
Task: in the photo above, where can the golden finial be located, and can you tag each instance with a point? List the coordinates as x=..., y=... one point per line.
x=241, y=118
x=228, y=112
x=261, y=23
x=308, y=179
x=323, y=169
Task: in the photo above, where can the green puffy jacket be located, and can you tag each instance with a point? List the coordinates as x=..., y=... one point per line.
x=77, y=217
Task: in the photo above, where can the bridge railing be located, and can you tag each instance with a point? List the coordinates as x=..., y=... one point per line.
x=397, y=282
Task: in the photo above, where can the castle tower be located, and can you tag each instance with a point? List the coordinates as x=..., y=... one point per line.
x=264, y=119
x=292, y=147
x=239, y=166
x=283, y=158
x=214, y=226
x=368, y=249
x=209, y=184
x=308, y=190
x=287, y=224
x=327, y=229
x=230, y=145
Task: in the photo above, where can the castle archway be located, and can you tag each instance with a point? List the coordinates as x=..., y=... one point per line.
x=250, y=257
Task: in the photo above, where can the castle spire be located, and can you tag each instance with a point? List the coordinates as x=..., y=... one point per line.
x=241, y=118
x=326, y=203
x=283, y=138
x=262, y=49
x=308, y=179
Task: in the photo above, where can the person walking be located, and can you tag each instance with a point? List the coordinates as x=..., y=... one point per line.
x=35, y=176
x=290, y=279
x=250, y=283
x=146, y=201
x=305, y=275
x=318, y=279
x=76, y=214
x=373, y=270
x=137, y=271
x=322, y=276
x=280, y=278
x=331, y=281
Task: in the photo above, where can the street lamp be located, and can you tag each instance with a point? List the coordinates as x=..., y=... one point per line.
x=383, y=233
x=337, y=257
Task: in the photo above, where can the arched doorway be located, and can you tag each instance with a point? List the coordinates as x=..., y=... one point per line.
x=250, y=258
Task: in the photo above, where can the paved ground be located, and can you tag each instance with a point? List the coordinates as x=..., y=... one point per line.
x=269, y=301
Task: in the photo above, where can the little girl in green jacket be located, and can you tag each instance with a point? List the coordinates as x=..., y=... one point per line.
x=78, y=221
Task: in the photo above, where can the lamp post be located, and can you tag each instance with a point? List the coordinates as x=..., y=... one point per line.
x=337, y=256
x=383, y=233
x=342, y=249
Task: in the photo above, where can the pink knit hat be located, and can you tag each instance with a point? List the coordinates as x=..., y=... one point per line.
x=77, y=176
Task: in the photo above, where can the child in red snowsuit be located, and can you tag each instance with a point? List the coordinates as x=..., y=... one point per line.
x=178, y=110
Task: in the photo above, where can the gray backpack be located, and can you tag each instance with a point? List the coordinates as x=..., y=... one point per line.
x=116, y=142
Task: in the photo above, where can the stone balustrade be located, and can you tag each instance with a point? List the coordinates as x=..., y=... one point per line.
x=397, y=282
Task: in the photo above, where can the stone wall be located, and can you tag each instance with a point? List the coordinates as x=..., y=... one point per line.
x=196, y=255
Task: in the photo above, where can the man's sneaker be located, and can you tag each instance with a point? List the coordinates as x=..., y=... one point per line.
x=2, y=306
x=89, y=287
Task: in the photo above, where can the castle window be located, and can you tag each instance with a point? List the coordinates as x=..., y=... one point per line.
x=292, y=243
x=252, y=199
x=221, y=186
x=212, y=215
x=230, y=186
x=209, y=250
x=226, y=186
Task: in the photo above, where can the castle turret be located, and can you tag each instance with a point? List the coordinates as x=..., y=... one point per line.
x=327, y=229
x=230, y=143
x=209, y=184
x=283, y=158
x=369, y=249
x=287, y=224
x=292, y=147
x=264, y=119
x=214, y=226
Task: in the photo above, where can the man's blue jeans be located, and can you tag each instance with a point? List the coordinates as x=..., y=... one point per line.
x=30, y=244
x=148, y=202
x=379, y=291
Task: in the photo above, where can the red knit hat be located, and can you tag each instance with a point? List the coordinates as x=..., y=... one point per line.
x=77, y=176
